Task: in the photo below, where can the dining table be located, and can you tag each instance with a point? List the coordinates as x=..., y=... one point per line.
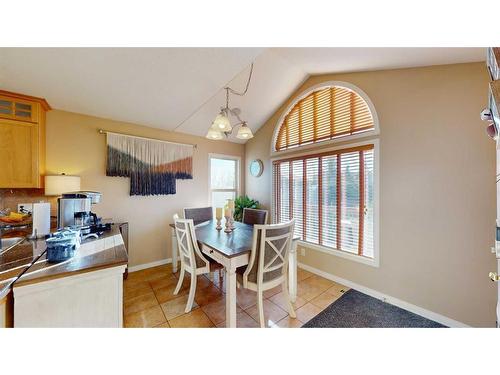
x=232, y=250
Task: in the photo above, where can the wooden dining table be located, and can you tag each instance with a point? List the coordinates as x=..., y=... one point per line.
x=232, y=250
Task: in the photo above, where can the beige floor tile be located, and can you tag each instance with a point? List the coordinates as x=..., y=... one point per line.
x=324, y=300
x=163, y=325
x=150, y=273
x=202, y=282
x=135, y=289
x=219, y=283
x=167, y=293
x=309, y=289
x=272, y=313
x=280, y=300
x=135, y=284
x=194, y=319
x=140, y=303
x=150, y=317
x=307, y=312
x=271, y=292
x=176, y=307
x=243, y=320
x=321, y=281
x=302, y=274
x=288, y=322
x=208, y=295
x=337, y=289
x=136, y=276
x=216, y=311
x=163, y=281
x=245, y=298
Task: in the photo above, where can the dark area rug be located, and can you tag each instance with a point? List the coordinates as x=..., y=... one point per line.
x=357, y=310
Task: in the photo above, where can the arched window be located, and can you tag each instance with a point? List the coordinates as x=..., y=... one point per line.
x=325, y=113
x=332, y=192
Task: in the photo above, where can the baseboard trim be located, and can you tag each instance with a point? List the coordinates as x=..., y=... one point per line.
x=386, y=298
x=149, y=265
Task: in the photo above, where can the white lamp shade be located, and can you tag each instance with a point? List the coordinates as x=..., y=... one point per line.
x=244, y=132
x=59, y=184
x=221, y=123
x=214, y=134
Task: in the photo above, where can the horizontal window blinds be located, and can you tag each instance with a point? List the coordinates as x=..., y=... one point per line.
x=324, y=114
x=330, y=196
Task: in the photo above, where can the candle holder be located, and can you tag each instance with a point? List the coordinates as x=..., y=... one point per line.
x=219, y=226
x=231, y=221
x=228, y=225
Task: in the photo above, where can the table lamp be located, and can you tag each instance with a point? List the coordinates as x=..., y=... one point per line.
x=62, y=183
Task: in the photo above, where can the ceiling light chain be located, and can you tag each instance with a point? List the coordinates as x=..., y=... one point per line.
x=222, y=126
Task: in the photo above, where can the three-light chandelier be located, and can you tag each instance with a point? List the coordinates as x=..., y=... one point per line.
x=221, y=126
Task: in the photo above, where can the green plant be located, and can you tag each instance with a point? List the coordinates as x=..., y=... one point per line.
x=242, y=202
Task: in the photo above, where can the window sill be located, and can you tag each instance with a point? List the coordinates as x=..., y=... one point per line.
x=342, y=254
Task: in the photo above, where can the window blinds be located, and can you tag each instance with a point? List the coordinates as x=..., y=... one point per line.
x=324, y=114
x=330, y=196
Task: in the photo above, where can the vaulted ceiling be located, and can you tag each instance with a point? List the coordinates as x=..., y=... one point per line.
x=181, y=89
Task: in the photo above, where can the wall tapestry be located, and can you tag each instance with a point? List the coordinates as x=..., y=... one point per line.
x=152, y=165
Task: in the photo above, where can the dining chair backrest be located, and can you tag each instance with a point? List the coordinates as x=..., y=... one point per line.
x=199, y=214
x=254, y=216
x=189, y=251
x=270, y=250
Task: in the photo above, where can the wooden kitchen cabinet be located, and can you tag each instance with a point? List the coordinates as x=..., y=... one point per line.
x=22, y=140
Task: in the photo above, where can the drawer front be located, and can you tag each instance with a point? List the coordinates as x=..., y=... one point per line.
x=214, y=255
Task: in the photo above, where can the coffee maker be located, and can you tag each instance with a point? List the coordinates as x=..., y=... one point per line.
x=74, y=210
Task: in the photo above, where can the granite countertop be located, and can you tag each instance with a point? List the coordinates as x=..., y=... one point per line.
x=26, y=263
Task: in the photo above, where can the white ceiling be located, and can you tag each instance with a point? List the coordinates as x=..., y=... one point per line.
x=181, y=89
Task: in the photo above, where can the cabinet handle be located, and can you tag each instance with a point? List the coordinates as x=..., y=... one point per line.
x=494, y=276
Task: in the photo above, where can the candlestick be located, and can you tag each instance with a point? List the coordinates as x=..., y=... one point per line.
x=231, y=221
x=219, y=226
x=218, y=213
x=228, y=224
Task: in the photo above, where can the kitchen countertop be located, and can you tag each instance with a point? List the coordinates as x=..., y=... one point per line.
x=16, y=261
x=26, y=263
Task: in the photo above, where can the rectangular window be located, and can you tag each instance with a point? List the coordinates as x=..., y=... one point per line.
x=223, y=179
x=330, y=196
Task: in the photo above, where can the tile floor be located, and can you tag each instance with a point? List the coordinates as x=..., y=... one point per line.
x=149, y=301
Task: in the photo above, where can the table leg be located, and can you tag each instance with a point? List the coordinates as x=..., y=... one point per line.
x=292, y=271
x=174, y=251
x=231, y=297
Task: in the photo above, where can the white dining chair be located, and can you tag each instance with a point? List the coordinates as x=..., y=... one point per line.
x=192, y=260
x=268, y=265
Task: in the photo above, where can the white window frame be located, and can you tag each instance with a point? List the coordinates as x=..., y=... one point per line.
x=375, y=261
x=237, y=179
x=342, y=139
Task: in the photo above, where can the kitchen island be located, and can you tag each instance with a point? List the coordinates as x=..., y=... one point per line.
x=13, y=263
x=84, y=291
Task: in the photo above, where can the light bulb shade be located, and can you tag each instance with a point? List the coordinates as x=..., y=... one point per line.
x=244, y=132
x=214, y=134
x=221, y=123
x=59, y=184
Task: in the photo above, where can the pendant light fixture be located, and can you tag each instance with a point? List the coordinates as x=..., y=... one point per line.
x=221, y=126
x=221, y=122
x=214, y=134
x=244, y=132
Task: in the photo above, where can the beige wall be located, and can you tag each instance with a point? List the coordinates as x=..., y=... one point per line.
x=75, y=147
x=437, y=190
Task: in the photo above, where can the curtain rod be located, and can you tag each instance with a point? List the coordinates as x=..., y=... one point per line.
x=102, y=131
